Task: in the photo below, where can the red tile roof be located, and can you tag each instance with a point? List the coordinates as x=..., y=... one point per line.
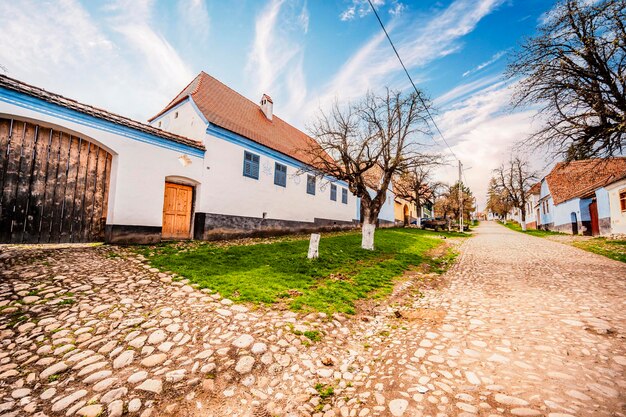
x=40, y=93
x=535, y=189
x=579, y=178
x=224, y=107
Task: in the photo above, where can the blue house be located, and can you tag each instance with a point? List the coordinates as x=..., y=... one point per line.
x=574, y=198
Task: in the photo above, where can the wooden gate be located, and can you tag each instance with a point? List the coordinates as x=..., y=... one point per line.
x=177, y=211
x=54, y=185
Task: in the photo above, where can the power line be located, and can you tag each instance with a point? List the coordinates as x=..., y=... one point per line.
x=411, y=80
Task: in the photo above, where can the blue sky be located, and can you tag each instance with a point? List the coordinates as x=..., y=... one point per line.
x=133, y=56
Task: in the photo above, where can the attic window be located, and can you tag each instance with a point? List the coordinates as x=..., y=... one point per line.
x=159, y=123
x=176, y=115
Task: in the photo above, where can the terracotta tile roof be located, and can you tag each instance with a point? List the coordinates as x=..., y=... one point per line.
x=228, y=109
x=579, y=178
x=19, y=86
x=535, y=189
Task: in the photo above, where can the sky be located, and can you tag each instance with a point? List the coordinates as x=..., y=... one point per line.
x=133, y=56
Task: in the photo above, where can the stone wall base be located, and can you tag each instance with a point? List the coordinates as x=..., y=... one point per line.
x=124, y=234
x=211, y=226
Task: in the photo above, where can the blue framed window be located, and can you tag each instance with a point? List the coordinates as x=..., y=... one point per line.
x=310, y=184
x=250, y=165
x=280, y=174
x=333, y=192
x=344, y=195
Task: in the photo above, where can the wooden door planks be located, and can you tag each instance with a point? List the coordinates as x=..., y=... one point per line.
x=53, y=186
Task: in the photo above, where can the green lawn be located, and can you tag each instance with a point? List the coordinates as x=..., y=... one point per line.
x=533, y=232
x=614, y=249
x=279, y=270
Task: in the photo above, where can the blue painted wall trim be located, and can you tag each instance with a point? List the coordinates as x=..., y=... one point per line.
x=33, y=103
x=233, y=137
x=193, y=105
x=156, y=119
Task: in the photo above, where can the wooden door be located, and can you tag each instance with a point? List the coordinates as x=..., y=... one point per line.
x=177, y=211
x=53, y=185
x=593, y=213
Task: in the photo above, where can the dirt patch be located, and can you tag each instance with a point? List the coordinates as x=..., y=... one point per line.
x=425, y=315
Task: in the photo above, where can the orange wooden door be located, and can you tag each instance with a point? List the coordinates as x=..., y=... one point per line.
x=177, y=211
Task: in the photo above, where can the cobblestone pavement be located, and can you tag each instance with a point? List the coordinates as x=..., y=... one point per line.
x=519, y=326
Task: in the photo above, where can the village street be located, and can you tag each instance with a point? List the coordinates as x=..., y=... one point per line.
x=519, y=326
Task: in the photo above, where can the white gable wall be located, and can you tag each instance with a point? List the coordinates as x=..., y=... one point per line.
x=618, y=217
x=184, y=120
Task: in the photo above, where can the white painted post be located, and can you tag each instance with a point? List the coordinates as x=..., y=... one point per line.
x=314, y=246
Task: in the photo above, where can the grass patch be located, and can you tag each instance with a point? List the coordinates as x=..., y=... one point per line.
x=325, y=391
x=614, y=249
x=313, y=335
x=279, y=270
x=533, y=232
x=67, y=302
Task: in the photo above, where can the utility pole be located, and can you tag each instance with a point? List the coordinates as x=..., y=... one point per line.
x=460, y=197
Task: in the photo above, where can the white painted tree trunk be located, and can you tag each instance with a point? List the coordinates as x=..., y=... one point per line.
x=367, y=240
x=314, y=245
x=523, y=223
x=418, y=222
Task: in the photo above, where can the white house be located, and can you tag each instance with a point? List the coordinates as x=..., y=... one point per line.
x=70, y=172
x=254, y=173
x=211, y=164
x=617, y=205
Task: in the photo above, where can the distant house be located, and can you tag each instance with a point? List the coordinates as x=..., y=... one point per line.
x=583, y=197
x=532, y=209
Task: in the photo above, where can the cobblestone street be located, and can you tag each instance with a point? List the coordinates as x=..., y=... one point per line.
x=520, y=326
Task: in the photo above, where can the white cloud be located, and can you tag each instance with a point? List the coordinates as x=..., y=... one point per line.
x=195, y=17
x=482, y=132
x=419, y=43
x=119, y=63
x=463, y=90
x=361, y=8
x=37, y=36
x=496, y=57
x=275, y=63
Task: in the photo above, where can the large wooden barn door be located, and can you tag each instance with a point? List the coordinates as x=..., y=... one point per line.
x=53, y=185
x=177, y=211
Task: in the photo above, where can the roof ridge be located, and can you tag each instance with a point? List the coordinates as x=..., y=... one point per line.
x=231, y=89
x=72, y=104
x=197, y=89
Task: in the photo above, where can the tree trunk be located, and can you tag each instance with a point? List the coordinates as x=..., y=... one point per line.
x=523, y=220
x=367, y=231
x=370, y=215
x=418, y=221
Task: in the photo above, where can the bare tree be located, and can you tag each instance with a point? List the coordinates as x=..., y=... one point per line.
x=575, y=68
x=367, y=143
x=498, y=201
x=513, y=180
x=417, y=186
x=449, y=205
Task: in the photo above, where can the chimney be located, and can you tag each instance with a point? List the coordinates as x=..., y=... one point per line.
x=267, y=106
